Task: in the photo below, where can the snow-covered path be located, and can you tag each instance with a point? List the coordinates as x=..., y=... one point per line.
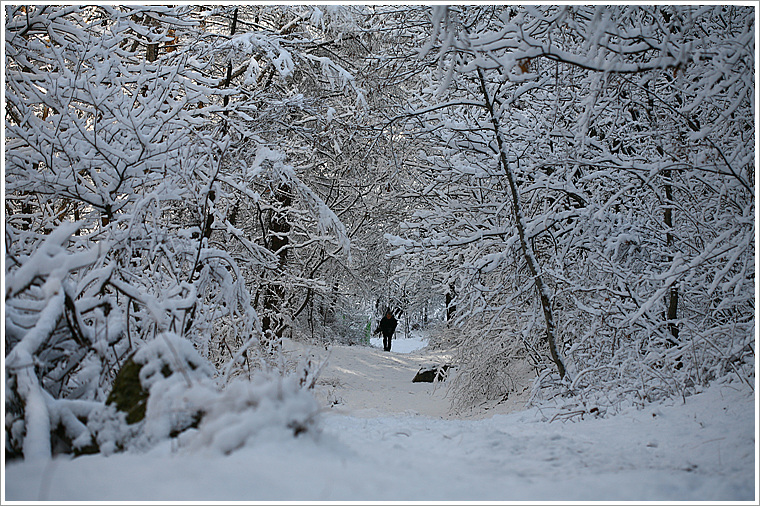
x=387, y=439
x=369, y=382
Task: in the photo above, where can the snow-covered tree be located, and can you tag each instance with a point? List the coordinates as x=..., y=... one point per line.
x=121, y=167
x=580, y=147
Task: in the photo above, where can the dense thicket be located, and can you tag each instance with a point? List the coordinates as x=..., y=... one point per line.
x=151, y=193
x=592, y=195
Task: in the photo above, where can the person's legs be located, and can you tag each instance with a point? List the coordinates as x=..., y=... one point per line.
x=386, y=343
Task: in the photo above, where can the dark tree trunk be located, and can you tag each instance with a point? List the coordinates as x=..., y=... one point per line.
x=528, y=254
x=451, y=307
x=278, y=240
x=672, y=299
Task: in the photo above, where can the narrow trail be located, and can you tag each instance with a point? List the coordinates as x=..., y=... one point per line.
x=366, y=382
x=379, y=419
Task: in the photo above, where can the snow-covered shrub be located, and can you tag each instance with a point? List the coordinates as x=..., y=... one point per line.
x=205, y=416
x=146, y=404
x=181, y=400
x=121, y=182
x=489, y=368
x=60, y=342
x=151, y=374
x=270, y=406
x=102, y=192
x=109, y=430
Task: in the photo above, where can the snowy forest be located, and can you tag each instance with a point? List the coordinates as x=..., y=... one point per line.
x=188, y=187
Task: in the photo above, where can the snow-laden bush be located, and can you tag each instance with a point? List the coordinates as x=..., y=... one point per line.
x=489, y=369
x=265, y=408
x=183, y=400
x=123, y=178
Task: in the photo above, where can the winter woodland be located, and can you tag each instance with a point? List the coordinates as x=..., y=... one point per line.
x=568, y=189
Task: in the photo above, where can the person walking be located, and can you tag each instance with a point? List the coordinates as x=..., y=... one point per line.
x=387, y=326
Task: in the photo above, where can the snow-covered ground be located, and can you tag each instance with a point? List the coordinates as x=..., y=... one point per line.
x=402, y=344
x=385, y=438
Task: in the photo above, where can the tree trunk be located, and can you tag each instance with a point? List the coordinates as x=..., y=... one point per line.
x=228, y=76
x=451, y=307
x=278, y=240
x=527, y=250
x=672, y=301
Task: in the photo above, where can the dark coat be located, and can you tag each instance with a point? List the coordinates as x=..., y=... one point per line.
x=387, y=326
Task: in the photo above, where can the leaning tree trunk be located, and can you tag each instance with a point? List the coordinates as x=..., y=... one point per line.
x=544, y=292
